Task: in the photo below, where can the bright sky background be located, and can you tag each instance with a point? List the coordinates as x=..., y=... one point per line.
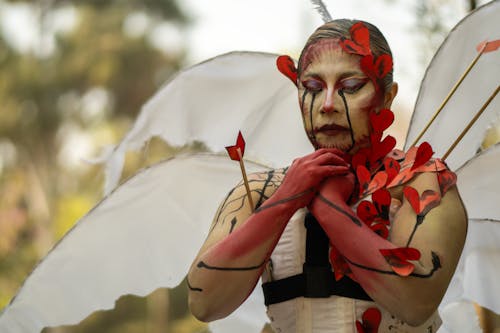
x=276, y=26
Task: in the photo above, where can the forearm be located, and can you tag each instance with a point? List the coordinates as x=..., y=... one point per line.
x=404, y=297
x=225, y=273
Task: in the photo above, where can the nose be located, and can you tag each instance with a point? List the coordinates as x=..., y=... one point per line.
x=331, y=102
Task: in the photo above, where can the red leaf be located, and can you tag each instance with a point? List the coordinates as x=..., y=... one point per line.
x=383, y=65
x=359, y=42
x=488, y=46
x=446, y=180
x=377, y=182
x=363, y=176
x=428, y=200
x=398, y=259
x=371, y=319
x=360, y=158
x=361, y=36
x=367, y=212
x=376, y=68
x=381, y=229
x=368, y=66
x=382, y=120
x=339, y=265
x=382, y=200
x=380, y=148
x=286, y=66
x=412, y=196
x=421, y=204
x=392, y=168
x=424, y=154
x=233, y=150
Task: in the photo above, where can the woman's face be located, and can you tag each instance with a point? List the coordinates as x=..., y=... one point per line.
x=326, y=70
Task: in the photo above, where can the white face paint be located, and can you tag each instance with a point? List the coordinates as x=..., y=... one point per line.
x=327, y=70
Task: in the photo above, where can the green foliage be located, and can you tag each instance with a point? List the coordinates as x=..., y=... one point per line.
x=49, y=97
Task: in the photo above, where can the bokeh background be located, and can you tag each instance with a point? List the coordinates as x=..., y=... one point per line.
x=74, y=74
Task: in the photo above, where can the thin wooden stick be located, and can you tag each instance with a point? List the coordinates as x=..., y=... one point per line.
x=245, y=179
x=467, y=128
x=452, y=91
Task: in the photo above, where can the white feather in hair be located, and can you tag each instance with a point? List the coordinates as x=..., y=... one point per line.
x=322, y=10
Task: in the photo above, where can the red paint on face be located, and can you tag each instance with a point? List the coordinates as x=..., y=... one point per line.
x=326, y=70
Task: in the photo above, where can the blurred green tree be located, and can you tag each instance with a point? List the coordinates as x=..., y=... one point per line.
x=78, y=85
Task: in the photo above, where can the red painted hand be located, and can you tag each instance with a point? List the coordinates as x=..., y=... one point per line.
x=305, y=175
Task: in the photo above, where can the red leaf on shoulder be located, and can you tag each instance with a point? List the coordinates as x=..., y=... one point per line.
x=424, y=154
x=446, y=180
x=392, y=168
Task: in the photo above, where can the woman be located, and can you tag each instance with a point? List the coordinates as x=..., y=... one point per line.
x=392, y=259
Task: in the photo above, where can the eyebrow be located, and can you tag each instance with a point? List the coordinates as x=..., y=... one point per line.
x=341, y=77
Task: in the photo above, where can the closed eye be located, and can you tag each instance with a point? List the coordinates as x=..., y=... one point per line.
x=313, y=85
x=352, y=85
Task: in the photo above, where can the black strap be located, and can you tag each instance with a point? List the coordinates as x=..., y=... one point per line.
x=317, y=279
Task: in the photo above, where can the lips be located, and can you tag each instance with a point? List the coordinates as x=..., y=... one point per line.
x=331, y=129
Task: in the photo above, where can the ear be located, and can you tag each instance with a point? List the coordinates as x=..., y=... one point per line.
x=390, y=94
x=286, y=66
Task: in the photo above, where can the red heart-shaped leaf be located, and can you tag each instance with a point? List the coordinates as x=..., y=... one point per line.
x=428, y=200
x=413, y=198
x=371, y=319
x=424, y=153
x=361, y=36
x=380, y=148
x=446, y=180
x=382, y=120
x=286, y=66
x=381, y=229
x=367, y=212
x=398, y=259
x=392, y=168
x=378, y=181
x=421, y=204
x=382, y=201
x=363, y=176
x=383, y=65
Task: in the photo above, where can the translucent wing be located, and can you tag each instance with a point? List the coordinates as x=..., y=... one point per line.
x=211, y=101
x=144, y=235
x=450, y=61
x=476, y=278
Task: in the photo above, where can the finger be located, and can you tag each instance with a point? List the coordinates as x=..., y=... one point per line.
x=326, y=171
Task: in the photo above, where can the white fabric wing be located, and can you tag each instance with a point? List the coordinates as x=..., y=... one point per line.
x=476, y=277
x=133, y=242
x=210, y=102
x=451, y=60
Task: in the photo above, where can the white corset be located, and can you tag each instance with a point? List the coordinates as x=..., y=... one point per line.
x=321, y=315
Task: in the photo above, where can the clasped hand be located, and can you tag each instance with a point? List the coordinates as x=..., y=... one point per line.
x=324, y=171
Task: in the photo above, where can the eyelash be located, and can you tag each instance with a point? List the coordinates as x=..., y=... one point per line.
x=316, y=86
x=353, y=88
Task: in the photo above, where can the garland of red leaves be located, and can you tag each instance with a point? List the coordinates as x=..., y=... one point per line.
x=380, y=167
